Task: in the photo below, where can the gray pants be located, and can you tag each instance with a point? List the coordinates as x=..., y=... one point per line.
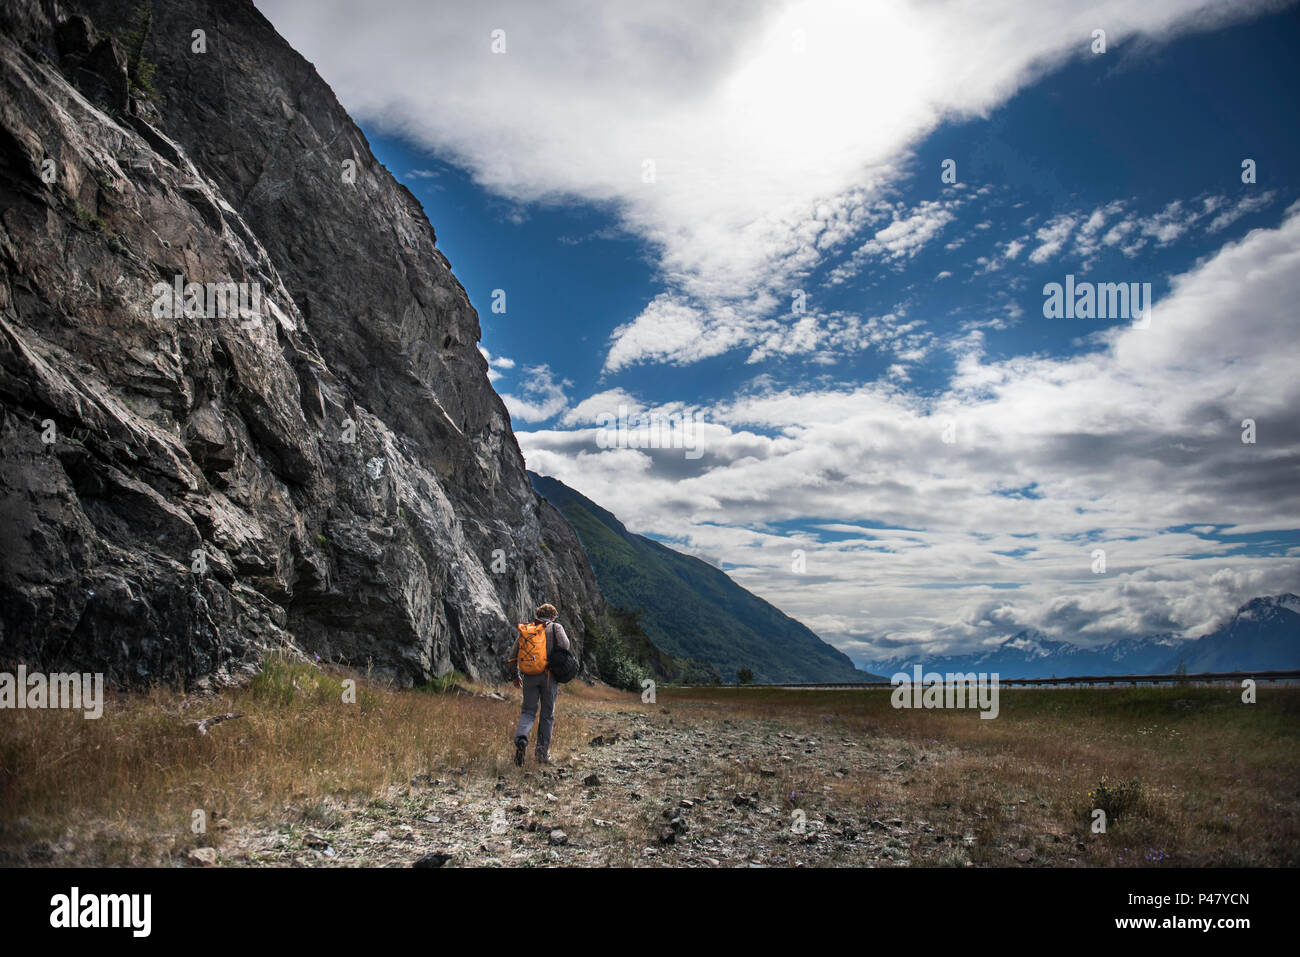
x=538, y=689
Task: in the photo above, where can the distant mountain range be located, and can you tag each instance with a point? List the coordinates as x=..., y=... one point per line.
x=689, y=608
x=1263, y=635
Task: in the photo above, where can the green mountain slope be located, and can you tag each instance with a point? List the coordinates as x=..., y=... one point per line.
x=691, y=609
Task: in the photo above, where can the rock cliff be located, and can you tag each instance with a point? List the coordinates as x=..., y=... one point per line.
x=241, y=401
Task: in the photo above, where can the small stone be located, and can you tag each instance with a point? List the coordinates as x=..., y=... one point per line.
x=204, y=856
x=558, y=838
x=1024, y=855
x=432, y=859
x=592, y=780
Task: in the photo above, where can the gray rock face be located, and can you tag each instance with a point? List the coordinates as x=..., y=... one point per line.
x=301, y=450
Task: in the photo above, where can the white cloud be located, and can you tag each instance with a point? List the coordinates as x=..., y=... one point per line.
x=905, y=237
x=671, y=330
x=1052, y=458
x=541, y=395
x=590, y=409
x=1117, y=224
x=1247, y=204
x=1052, y=238
x=495, y=365
x=770, y=125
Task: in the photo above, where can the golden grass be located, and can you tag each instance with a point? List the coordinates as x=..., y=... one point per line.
x=1219, y=780
x=142, y=770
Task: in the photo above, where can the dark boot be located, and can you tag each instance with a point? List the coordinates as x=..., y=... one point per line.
x=521, y=748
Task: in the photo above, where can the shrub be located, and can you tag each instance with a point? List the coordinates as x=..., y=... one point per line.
x=139, y=70
x=444, y=683
x=1117, y=799
x=283, y=680
x=615, y=662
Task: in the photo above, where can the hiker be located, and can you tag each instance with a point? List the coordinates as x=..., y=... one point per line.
x=532, y=675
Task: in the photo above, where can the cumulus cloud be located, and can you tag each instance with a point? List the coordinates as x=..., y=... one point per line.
x=496, y=364
x=956, y=518
x=540, y=395
x=1052, y=238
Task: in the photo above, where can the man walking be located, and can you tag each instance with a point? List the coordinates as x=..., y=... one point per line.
x=537, y=641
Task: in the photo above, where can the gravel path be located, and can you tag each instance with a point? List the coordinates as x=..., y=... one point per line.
x=657, y=787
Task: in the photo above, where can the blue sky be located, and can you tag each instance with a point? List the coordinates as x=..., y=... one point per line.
x=895, y=444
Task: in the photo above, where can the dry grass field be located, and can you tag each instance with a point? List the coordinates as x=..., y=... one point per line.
x=1197, y=777
x=1188, y=775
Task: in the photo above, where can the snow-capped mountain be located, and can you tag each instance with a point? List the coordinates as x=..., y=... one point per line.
x=1264, y=634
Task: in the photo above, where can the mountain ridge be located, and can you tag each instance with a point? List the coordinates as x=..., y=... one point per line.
x=691, y=608
x=1263, y=634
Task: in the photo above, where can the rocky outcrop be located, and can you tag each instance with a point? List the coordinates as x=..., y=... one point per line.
x=241, y=401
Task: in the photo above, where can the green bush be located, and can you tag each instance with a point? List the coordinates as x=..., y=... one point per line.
x=139, y=70
x=444, y=683
x=615, y=658
x=1125, y=797
x=283, y=680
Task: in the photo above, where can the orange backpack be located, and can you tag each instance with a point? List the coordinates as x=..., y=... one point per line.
x=532, y=648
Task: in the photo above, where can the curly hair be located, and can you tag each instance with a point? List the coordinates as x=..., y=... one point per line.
x=546, y=611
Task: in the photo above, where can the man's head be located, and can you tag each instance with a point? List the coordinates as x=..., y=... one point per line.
x=547, y=611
